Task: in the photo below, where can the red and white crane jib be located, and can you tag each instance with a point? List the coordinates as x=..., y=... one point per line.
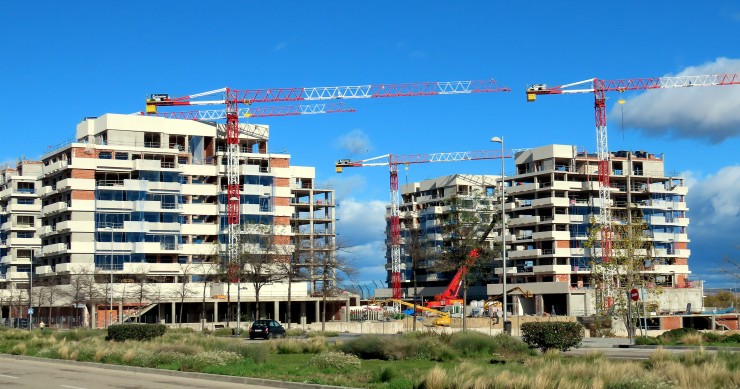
x=254, y=112
x=392, y=161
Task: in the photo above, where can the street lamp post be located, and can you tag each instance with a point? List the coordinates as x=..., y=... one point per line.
x=497, y=139
x=110, y=308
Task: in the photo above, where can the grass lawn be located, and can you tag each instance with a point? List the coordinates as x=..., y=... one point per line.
x=416, y=360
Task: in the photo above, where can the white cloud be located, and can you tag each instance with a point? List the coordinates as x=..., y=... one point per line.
x=708, y=113
x=714, y=211
x=346, y=186
x=280, y=46
x=362, y=226
x=355, y=141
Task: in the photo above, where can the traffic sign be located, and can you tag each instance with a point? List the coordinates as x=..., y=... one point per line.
x=30, y=311
x=634, y=294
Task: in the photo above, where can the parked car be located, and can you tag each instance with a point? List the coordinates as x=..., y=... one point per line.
x=266, y=329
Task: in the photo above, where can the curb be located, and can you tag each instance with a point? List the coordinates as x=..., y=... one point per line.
x=183, y=374
x=687, y=348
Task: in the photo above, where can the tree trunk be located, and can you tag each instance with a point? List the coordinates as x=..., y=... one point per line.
x=203, y=307
x=290, y=283
x=257, y=302
x=464, y=302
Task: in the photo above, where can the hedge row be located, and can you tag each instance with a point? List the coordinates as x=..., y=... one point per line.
x=552, y=335
x=121, y=332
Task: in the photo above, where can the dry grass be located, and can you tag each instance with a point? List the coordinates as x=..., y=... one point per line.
x=692, y=339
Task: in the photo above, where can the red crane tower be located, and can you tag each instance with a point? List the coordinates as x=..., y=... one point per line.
x=231, y=99
x=599, y=88
x=392, y=161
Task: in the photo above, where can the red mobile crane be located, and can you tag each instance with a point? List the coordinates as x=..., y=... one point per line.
x=599, y=88
x=232, y=98
x=392, y=161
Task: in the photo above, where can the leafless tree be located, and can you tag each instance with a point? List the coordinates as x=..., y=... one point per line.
x=261, y=250
x=208, y=270
x=183, y=291
x=83, y=290
x=334, y=264
x=141, y=289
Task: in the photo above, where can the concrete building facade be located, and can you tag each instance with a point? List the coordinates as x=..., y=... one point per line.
x=137, y=200
x=552, y=200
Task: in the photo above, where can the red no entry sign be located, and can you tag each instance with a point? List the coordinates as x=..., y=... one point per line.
x=634, y=295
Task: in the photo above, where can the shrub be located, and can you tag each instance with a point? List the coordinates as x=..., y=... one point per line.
x=734, y=338
x=365, y=347
x=294, y=332
x=122, y=332
x=334, y=360
x=325, y=334
x=711, y=337
x=387, y=374
x=675, y=335
x=552, y=335
x=223, y=332
x=692, y=339
x=646, y=341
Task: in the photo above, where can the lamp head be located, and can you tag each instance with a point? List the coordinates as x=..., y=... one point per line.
x=497, y=139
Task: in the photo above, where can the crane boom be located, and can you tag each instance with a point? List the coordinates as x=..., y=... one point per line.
x=250, y=96
x=599, y=88
x=256, y=112
x=392, y=161
x=232, y=98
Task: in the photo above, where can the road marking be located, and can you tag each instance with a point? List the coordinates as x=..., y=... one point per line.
x=71, y=387
x=7, y=376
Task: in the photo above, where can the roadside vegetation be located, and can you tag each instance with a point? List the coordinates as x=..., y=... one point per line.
x=691, y=337
x=415, y=360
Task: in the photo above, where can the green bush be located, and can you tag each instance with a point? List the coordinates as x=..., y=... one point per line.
x=294, y=332
x=365, y=347
x=325, y=334
x=552, y=335
x=333, y=360
x=122, y=332
x=675, y=335
x=223, y=332
x=734, y=338
x=711, y=337
x=646, y=341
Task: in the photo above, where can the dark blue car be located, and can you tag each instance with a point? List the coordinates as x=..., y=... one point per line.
x=266, y=329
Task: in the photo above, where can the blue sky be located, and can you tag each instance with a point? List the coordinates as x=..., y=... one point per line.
x=62, y=61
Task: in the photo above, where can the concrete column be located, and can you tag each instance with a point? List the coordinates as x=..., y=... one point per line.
x=346, y=310
x=215, y=311
x=277, y=310
x=318, y=311
x=303, y=312
x=93, y=317
x=173, y=313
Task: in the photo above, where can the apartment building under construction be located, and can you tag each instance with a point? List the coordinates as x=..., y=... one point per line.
x=552, y=202
x=138, y=200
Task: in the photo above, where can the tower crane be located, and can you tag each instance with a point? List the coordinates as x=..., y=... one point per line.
x=392, y=161
x=231, y=99
x=599, y=88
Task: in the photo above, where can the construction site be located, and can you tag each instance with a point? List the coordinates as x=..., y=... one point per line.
x=188, y=218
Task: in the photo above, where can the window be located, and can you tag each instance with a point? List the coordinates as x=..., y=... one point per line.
x=122, y=156
x=25, y=234
x=105, y=155
x=25, y=201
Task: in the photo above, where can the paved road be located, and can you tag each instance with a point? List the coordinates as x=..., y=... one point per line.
x=32, y=374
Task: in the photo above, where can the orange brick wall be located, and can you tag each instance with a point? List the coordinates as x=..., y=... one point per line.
x=729, y=321
x=83, y=195
x=282, y=201
x=670, y=323
x=680, y=245
x=83, y=173
x=562, y=244
x=562, y=277
x=282, y=220
x=280, y=239
x=279, y=162
x=282, y=182
x=80, y=153
x=682, y=261
x=680, y=279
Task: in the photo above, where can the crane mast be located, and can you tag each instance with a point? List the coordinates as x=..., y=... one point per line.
x=599, y=88
x=393, y=161
x=232, y=98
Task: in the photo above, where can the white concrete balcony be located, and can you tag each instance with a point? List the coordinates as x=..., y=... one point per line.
x=41, y=270
x=54, y=166
x=200, y=229
x=576, y=218
x=524, y=253
x=6, y=226
x=75, y=268
x=509, y=270
x=551, y=202
x=200, y=209
x=165, y=186
x=23, y=242
x=6, y=260
x=116, y=164
x=28, y=208
x=56, y=248
x=162, y=227
x=551, y=235
x=77, y=226
x=45, y=230
x=578, y=252
x=199, y=248
x=260, y=190
x=147, y=164
x=16, y=276
x=155, y=248
x=199, y=189
x=567, y=185
x=5, y=193
x=670, y=237
x=523, y=188
x=523, y=221
x=114, y=205
x=116, y=247
x=556, y=269
x=54, y=208
x=147, y=206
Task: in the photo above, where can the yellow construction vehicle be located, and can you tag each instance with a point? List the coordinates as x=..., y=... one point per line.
x=442, y=319
x=493, y=299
